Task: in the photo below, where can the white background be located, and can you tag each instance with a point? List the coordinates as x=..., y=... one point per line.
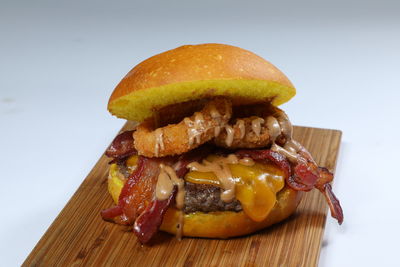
x=59, y=62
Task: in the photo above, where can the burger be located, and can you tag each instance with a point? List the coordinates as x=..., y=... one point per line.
x=212, y=155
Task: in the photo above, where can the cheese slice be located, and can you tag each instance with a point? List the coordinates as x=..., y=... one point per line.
x=256, y=186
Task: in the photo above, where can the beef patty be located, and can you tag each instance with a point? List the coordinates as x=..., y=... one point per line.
x=206, y=198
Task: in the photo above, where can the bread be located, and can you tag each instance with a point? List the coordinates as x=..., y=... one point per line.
x=194, y=72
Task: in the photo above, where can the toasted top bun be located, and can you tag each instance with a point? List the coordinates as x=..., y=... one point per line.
x=194, y=72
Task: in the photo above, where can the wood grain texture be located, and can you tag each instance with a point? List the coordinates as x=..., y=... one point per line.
x=79, y=236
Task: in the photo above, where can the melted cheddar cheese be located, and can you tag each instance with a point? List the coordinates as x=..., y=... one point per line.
x=256, y=186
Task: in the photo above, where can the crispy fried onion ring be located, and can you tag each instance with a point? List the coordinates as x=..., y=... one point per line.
x=191, y=132
x=255, y=131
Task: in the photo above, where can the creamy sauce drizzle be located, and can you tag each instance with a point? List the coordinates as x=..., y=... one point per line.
x=221, y=169
x=229, y=135
x=273, y=128
x=285, y=124
x=164, y=185
x=242, y=128
x=198, y=126
x=159, y=144
x=290, y=155
x=195, y=128
x=292, y=146
x=167, y=179
x=256, y=125
x=217, y=130
x=279, y=125
x=215, y=115
x=246, y=161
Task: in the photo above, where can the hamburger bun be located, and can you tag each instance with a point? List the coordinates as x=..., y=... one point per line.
x=193, y=72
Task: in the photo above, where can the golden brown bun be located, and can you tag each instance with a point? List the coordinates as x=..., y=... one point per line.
x=221, y=224
x=224, y=224
x=193, y=72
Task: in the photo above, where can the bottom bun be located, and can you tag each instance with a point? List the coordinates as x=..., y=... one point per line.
x=220, y=224
x=224, y=224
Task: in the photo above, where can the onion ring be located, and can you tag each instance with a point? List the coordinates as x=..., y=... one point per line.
x=244, y=136
x=191, y=132
x=255, y=131
x=241, y=135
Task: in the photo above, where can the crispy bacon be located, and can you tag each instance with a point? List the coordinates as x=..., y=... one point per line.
x=298, y=186
x=333, y=202
x=111, y=213
x=324, y=186
x=122, y=146
x=302, y=176
x=269, y=156
x=310, y=175
x=325, y=177
x=136, y=193
x=147, y=224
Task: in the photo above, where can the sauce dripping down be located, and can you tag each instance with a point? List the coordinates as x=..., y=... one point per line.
x=256, y=125
x=285, y=124
x=292, y=146
x=273, y=127
x=198, y=126
x=159, y=141
x=217, y=130
x=167, y=179
x=229, y=135
x=292, y=157
x=242, y=128
x=195, y=128
x=215, y=115
x=221, y=169
x=282, y=125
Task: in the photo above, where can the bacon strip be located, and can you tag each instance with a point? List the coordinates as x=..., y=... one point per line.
x=298, y=186
x=269, y=156
x=136, y=193
x=303, y=179
x=333, y=202
x=147, y=224
x=122, y=146
x=323, y=185
x=109, y=214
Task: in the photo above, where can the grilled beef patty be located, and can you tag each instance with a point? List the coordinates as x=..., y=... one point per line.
x=206, y=198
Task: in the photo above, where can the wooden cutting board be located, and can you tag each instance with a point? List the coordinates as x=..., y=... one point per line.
x=79, y=236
